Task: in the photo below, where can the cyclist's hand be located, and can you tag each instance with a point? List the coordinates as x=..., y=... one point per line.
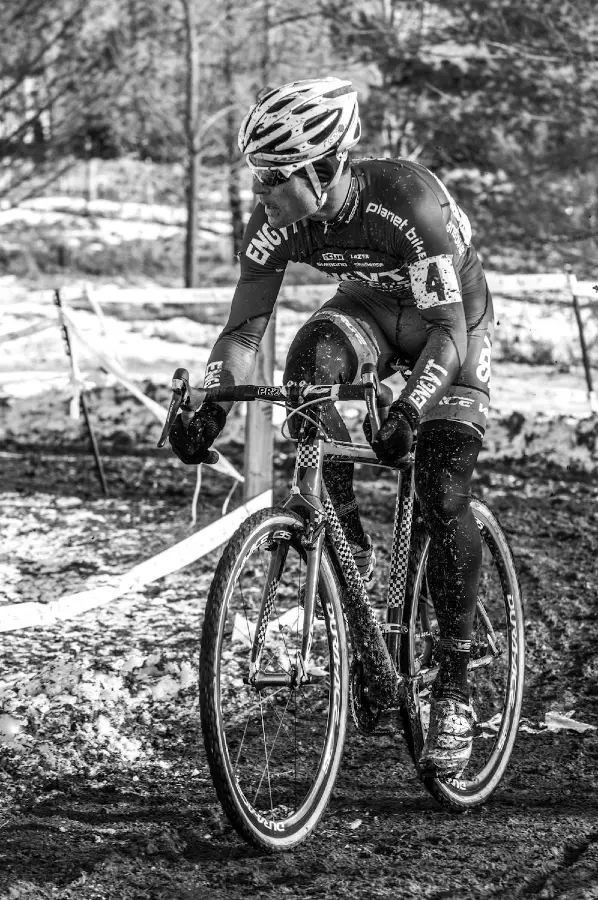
x=395, y=438
x=192, y=443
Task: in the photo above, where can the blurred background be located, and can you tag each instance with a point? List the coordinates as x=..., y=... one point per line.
x=118, y=124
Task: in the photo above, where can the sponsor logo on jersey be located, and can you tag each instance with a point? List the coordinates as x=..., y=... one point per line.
x=334, y=315
x=267, y=238
x=428, y=383
x=354, y=209
x=391, y=281
x=402, y=224
x=455, y=400
x=348, y=258
x=213, y=373
x=458, y=217
x=453, y=232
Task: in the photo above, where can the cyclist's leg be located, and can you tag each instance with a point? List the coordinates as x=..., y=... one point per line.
x=446, y=456
x=329, y=349
x=449, y=441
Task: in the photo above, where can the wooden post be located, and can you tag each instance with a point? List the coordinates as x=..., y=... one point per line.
x=79, y=393
x=91, y=169
x=259, y=438
x=582, y=340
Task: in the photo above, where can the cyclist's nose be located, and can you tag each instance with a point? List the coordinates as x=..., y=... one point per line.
x=258, y=188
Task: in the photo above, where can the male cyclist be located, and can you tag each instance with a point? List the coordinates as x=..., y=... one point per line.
x=412, y=296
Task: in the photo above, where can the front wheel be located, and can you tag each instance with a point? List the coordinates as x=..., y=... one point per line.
x=273, y=723
x=496, y=668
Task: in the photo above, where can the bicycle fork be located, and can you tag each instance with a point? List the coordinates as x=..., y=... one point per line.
x=367, y=637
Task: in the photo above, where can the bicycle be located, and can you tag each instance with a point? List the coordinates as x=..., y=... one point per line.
x=276, y=683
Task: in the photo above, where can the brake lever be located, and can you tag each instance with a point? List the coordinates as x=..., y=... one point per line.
x=181, y=397
x=369, y=377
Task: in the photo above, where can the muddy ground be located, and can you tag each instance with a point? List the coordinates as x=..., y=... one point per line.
x=105, y=790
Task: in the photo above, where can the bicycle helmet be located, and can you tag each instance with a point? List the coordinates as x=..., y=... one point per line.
x=300, y=123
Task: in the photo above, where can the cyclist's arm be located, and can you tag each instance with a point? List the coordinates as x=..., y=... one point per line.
x=263, y=262
x=436, y=289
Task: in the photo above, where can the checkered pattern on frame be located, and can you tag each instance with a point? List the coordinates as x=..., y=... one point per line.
x=308, y=455
x=267, y=612
x=401, y=539
x=352, y=576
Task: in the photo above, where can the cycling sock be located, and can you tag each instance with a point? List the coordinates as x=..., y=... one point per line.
x=452, y=680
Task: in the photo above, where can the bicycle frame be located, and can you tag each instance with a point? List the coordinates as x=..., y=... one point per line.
x=376, y=645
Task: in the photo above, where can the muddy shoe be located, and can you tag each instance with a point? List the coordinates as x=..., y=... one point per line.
x=365, y=559
x=449, y=741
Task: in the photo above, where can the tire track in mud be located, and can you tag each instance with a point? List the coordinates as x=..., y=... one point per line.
x=156, y=832
x=567, y=877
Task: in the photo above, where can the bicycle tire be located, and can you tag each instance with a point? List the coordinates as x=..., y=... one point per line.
x=496, y=687
x=274, y=754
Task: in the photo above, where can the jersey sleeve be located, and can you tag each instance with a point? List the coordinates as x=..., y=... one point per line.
x=263, y=259
x=432, y=256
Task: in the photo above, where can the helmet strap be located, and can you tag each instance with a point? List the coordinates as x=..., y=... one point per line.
x=339, y=171
x=321, y=194
x=315, y=183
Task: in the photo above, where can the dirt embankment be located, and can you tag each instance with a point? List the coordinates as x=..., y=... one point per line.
x=105, y=790
x=106, y=794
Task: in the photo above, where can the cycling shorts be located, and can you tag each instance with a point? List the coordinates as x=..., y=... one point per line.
x=468, y=398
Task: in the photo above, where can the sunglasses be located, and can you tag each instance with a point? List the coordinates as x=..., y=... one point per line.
x=269, y=176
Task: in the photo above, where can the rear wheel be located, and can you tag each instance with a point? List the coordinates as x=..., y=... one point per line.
x=496, y=670
x=273, y=728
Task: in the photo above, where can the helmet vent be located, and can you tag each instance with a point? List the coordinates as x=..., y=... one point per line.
x=276, y=107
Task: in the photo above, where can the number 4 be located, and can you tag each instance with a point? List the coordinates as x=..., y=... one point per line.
x=434, y=282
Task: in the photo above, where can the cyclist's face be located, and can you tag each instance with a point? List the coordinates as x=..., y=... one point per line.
x=286, y=202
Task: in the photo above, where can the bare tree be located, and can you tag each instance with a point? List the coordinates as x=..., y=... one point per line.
x=193, y=141
x=231, y=130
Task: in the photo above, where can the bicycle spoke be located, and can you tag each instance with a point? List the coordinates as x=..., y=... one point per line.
x=278, y=733
x=495, y=669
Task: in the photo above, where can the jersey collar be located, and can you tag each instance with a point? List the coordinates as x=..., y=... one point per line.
x=349, y=207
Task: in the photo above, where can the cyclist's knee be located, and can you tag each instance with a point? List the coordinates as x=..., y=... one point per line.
x=443, y=508
x=321, y=354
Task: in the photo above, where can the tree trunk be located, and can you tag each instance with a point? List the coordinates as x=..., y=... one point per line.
x=192, y=136
x=232, y=153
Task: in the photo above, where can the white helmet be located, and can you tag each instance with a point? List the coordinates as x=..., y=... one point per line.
x=301, y=122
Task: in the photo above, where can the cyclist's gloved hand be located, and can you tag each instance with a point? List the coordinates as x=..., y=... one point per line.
x=192, y=443
x=395, y=438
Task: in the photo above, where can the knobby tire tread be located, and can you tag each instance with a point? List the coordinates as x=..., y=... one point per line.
x=492, y=535
x=209, y=648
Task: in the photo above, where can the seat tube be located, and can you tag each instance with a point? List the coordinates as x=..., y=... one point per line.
x=399, y=561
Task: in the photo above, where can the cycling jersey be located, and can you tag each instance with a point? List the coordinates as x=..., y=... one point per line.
x=401, y=247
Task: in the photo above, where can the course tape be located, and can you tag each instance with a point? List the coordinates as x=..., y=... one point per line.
x=27, y=331
x=15, y=616
x=110, y=363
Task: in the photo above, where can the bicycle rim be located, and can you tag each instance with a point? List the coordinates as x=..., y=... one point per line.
x=274, y=751
x=496, y=674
